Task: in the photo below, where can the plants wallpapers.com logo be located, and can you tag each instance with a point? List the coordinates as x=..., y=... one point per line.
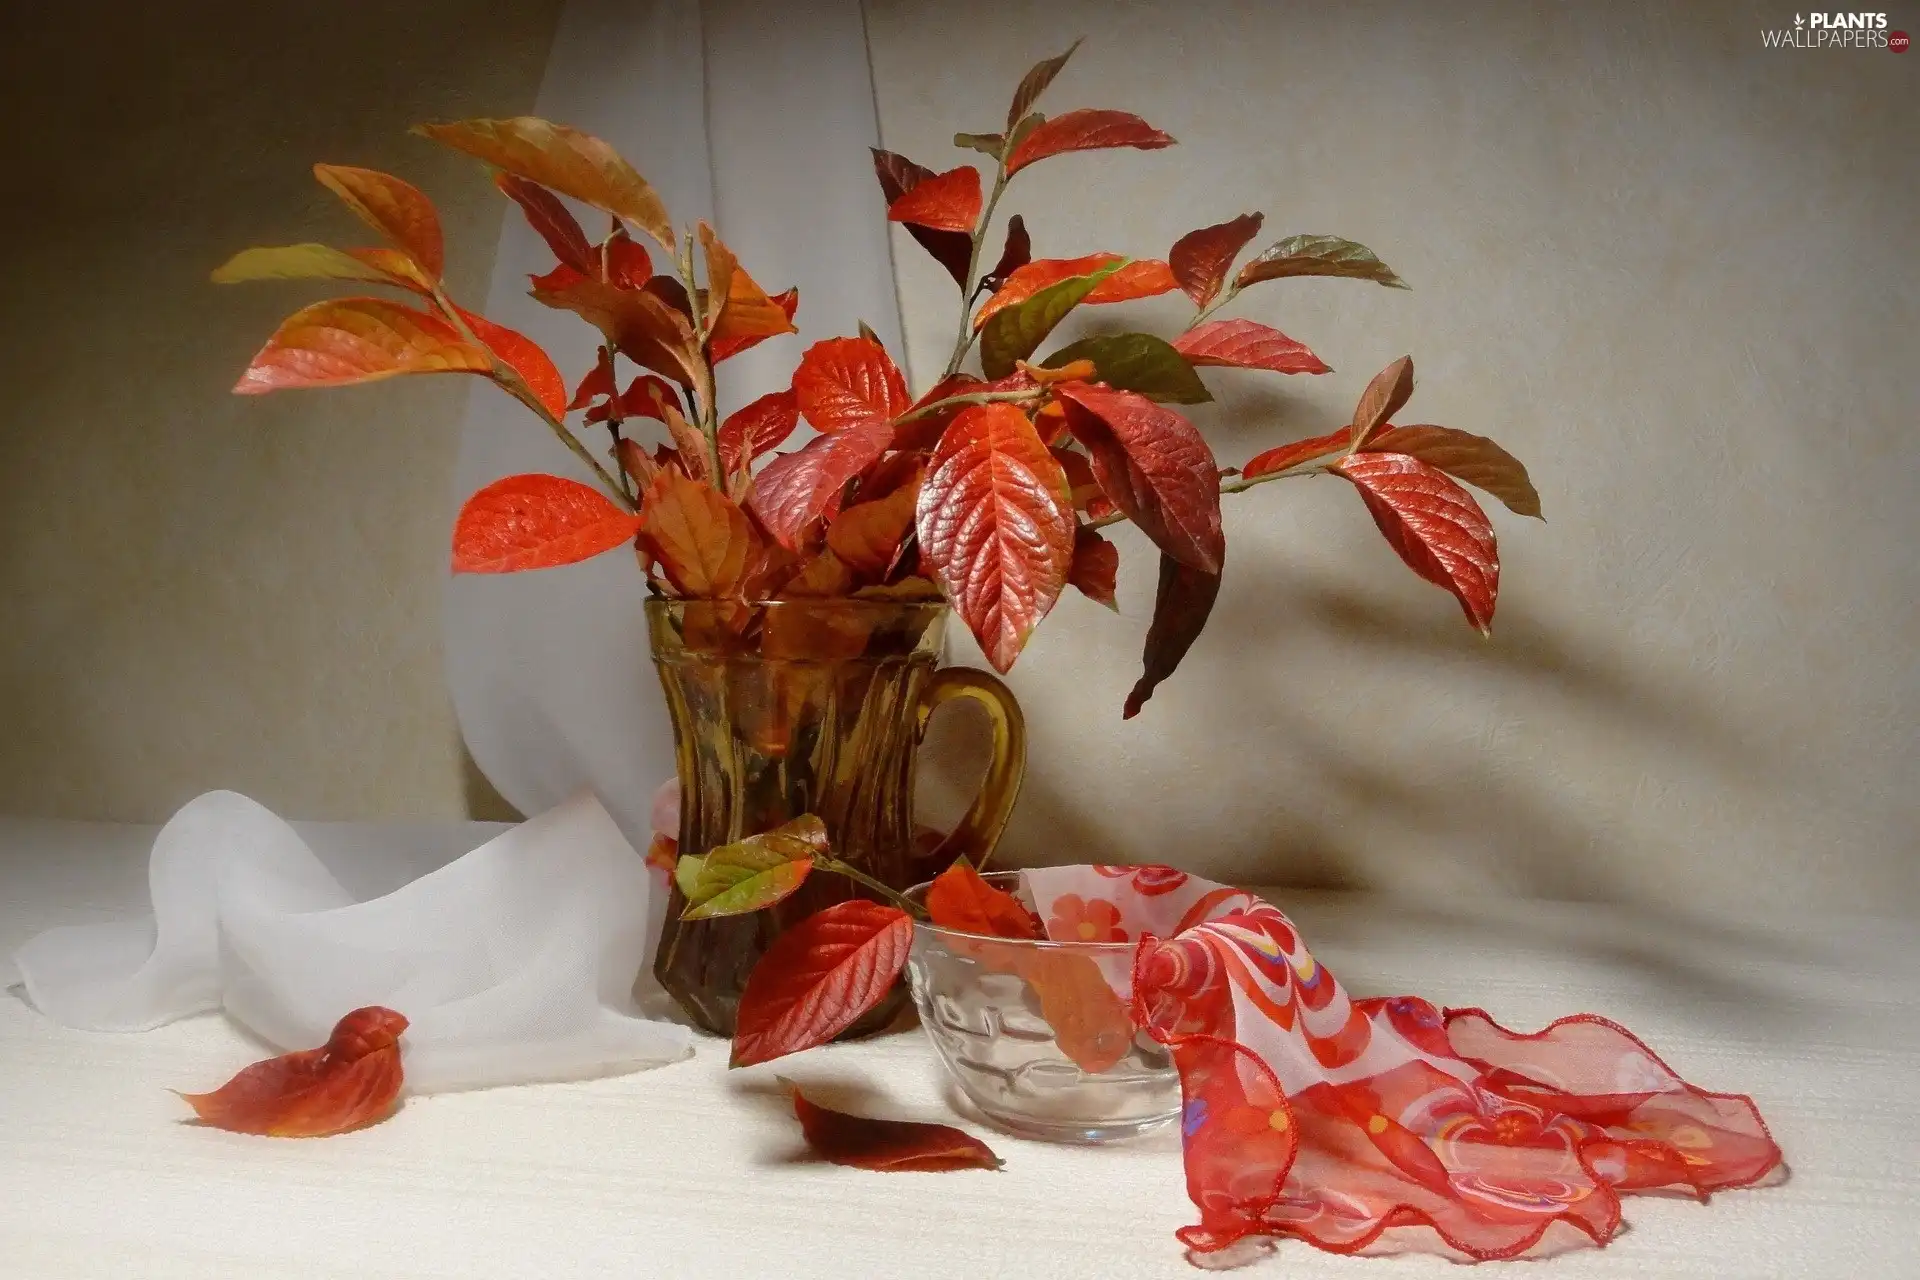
x=1836, y=31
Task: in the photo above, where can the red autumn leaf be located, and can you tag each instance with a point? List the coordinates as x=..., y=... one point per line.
x=951, y=249
x=996, y=526
x=1015, y=254
x=888, y=1146
x=1434, y=525
x=1201, y=259
x=867, y=535
x=753, y=429
x=597, y=383
x=1154, y=466
x=947, y=201
x=1385, y=396
x=522, y=355
x=728, y=345
x=1181, y=605
x=1142, y=278
x=701, y=538
x=349, y=1083
x=397, y=210
x=1085, y=130
x=351, y=340
x=960, y=898
x=645, y=325
x=536, y=522
x=625, y=261
x=1292, y=455
x=1464, y=456
x=923, y=433
x=553, y=221
x=1080, y=476
x=797, y=488
x=849, y=382
x=1246, y=344
x=1096, y=567
x=647, y=396
x=818, y=978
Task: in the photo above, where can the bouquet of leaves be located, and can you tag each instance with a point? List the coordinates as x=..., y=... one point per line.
x=989, y=489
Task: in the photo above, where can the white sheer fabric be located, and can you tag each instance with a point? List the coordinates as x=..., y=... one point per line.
x=513, y=963
x=758, y=118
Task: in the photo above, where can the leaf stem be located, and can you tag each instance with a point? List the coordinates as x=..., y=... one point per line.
x=963, y=341
x=1232, y=484
x=971, y=397
x=1227, y=295
x=854, y=873
x=708, y=417
x=514, y=385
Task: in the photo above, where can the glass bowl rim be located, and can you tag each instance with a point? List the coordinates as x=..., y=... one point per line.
x=918, y=895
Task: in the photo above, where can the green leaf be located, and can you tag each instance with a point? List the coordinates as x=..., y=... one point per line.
x=986, y=143
x=1013, y=332
x=1319, y=256
x=1137, y=362
x=757, y=872
x=297, y=262
x=686, y=871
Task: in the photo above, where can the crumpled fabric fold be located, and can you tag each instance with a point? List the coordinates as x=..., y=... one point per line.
x=514, y=963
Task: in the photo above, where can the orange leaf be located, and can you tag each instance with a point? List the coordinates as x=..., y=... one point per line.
x=396, y=209
x=1096, y=567
x=995, y=526
x=951, y=249
x=1201, y=259
x=536, y=522
x=397, y=268
x=867, y=535
x=1292, y=455
x=818, y=977
x=888, y=1146
x=1090, y=1023
x=747, y=315
x=690, y=445
x=700, y=536
x=1154, y=465
x=641, y=469
x=646, y=328
x=753, y=429
x=824, y=575
x=519, y=353
x=1434, y=525
x=960, y=898
x=351, y=1082
x=847, y=382
x=573, y=163
x=1080, y=478
x=1246, y=344
x=1385, y=396
x=1071, y=371
x=351, y=340
x=553, y=221
x=729, y=345
x=647, y=396
x=948, y=201
x=1142, y=278
x=1085, y=130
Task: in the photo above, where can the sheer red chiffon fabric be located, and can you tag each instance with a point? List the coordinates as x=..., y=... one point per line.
x=1314, y=1115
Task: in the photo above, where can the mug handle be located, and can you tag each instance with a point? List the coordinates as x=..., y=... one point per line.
x=979, y=831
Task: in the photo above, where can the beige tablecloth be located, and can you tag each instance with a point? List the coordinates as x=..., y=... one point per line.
x=692, y=1171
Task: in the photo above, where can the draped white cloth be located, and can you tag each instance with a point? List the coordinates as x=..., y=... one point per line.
x=758, y=118
x=512, y=964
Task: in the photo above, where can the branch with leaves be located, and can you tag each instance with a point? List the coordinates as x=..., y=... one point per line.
x=989, y=490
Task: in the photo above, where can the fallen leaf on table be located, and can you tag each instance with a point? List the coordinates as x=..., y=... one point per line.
x=887, y=1146
x=348, y=1083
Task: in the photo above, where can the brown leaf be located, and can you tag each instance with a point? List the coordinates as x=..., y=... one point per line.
x=1096, y=567
x=1385, y=396
x=1435, y=526
x=996, y=527
x=573, y=163
x=1475, y=459
x=1015, y=254
x=690, y=445
x=951, y=249
x=351, y=1082
x=1313, y=255
x=397, y=210
x=646, y=327
x=887, y=1146
x=1201, y=259
x=1085, y=130
x=1155, y=467
x=701, y=538
x=351, y=340
x=1035, y=83
x=1246, y=344
x=1181, y=606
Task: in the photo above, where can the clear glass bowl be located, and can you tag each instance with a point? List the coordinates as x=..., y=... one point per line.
x=991, y=1005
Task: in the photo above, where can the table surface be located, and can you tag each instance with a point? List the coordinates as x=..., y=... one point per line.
x=691, y=1170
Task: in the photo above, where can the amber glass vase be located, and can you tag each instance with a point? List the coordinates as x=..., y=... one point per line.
x=810, y=706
